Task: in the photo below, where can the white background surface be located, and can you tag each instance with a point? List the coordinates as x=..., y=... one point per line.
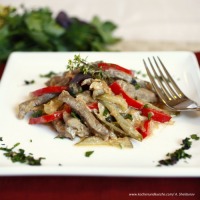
x=151, y=20
x=139, y=161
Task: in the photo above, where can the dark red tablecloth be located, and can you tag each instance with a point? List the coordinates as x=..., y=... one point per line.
x=86, y=188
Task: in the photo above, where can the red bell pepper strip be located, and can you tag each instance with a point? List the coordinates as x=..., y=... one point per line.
x=106, y=66
x=46, y=118
x=145, y=130
x=155, y=115
x=67, y=108
x=93, y=106
x=117, y=89
x=51, y=117
x=49, y=89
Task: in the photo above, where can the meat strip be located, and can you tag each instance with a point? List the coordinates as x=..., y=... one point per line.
x=119, y=75
x=60, y=80
x=60, y=127
x=80, y=108
x=141, y=93
x=28, y=106
x=74, y=125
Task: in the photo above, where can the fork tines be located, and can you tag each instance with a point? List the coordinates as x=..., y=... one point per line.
x=162, y=81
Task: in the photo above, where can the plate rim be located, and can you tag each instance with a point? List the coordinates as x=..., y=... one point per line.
x=30, y=170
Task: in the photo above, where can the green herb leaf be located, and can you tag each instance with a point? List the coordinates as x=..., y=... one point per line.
x=137, y=86
x=20, y=156
x=105, y=112
x=186, y=143
x=174, y=157
x=48, y=75
x=195, y=137
x=38, y=30
x=29, y=82
x=37, y=113
x=149, y=116
x=127, y=116
x=88, y=153
x=60, y=137
x=75, y=115
x=105, y=30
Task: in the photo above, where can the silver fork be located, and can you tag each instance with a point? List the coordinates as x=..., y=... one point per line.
x=167, y=89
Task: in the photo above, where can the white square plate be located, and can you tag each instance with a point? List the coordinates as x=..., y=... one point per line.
x=62, y=157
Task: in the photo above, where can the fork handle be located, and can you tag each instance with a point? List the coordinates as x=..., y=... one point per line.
x=189, y=109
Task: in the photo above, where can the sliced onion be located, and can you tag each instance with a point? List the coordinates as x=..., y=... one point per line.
x=96, y=141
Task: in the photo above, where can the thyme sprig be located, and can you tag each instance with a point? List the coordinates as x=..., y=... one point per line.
x=86, y=68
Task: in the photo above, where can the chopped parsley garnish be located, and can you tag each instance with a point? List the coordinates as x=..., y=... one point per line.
x=48, y=75
x=29, y=82
x=149, y=116
x=144, y=75
x=76, y=115
x=195, y=137
x=105, y=112
x=88, y=153
x=37, y=113
x=186, y=143
x=139, y=72
x=137, y=86
x=20, y=156
x=60, y=137
x=112, y=119
x=174, y=157
x=127, y=116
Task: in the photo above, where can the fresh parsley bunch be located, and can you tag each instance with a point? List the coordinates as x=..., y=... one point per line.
x=38, y=30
